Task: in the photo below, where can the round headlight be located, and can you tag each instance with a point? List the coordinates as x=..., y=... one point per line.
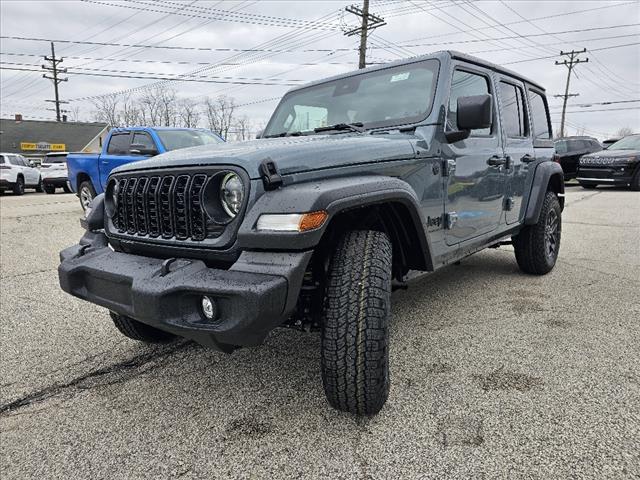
x=111, y=197
x=231, y=194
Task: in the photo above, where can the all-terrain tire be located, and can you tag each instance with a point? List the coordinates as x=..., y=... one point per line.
x=355, y=324
x=537, y=246
x=49, y=189
x=140, y=331
x=635, y=181
x=18, y=187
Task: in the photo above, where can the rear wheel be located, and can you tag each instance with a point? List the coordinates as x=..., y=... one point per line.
x=39, y=186
x=86, y=193
x=18, y=188
x=139, y=331
x=537, y=246
x=49, y=189
x=355, y=333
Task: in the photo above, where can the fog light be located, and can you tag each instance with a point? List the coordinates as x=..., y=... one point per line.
x=208, y=308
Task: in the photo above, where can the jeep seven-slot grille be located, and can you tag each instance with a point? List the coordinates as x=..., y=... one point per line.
x=163, y=206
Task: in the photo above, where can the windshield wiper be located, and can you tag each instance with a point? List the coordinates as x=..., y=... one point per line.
x=354, y=127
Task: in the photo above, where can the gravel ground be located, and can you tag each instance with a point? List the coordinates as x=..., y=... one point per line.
x=494, y=373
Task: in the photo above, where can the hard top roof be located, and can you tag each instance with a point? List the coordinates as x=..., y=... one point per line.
x=437, y=55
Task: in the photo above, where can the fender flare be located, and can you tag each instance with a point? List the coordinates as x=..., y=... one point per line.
x=335, y=196
x=545, y=173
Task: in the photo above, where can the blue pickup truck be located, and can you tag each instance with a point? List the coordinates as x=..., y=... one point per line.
x=88, y=172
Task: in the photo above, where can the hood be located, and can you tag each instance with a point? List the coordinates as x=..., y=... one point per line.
x=612, y=154
x=291, y=154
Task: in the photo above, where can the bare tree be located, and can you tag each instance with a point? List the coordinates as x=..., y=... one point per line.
x=75, y=114
x=130, y=113
x=220, y=114
x=624, y=131
x=242, y=128
x=189, y=113
x=107, y=110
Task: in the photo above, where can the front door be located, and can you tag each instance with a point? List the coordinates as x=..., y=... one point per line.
x=517, y=142
x=117, y=153
x=475, y=182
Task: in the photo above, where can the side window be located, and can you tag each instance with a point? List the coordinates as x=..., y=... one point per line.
x=465, y=84
x=1, y=159
x=15, y=160
x=540, y=116
x=514, y=117
x=119, y=144
x=141, y=138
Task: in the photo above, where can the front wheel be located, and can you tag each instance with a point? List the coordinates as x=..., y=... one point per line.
x=635, y=182
x=355, y=331
x=86, y=193
x=139, y=331
x=537, y=246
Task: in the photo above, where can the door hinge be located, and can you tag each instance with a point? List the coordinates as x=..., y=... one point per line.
x=448, y=166
x=450, y=219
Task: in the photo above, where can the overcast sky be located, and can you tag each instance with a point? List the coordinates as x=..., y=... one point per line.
x=304, y=41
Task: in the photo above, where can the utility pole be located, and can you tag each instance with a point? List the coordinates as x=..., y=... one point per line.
x=369, y=22
x=53, y=68
x=573, y=60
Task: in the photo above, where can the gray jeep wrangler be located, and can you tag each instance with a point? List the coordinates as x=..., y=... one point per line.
x=356, y=181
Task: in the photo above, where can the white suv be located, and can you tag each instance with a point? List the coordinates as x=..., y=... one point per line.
x=16, y=173
x=53, y=171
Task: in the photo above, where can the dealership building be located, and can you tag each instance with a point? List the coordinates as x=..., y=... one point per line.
x=35, y=138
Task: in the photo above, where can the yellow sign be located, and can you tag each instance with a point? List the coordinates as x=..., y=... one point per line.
x=43, y=146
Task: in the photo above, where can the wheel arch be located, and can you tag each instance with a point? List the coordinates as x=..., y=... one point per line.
x=366, y=202
x=83, y=177
x=548, y=176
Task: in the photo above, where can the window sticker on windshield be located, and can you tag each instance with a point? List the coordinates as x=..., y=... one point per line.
x=398, y=77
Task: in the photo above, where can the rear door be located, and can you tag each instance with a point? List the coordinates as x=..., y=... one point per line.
x=116, y=154
x=31, y=174
x=540, y=125
x=517, y=143
x=476, y=180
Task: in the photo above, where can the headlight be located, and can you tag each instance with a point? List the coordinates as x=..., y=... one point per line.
x=624, y=160
x=231, y=194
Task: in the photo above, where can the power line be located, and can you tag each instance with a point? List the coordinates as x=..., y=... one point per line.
x=53, y=68
x=369, y=23
x=570, y=64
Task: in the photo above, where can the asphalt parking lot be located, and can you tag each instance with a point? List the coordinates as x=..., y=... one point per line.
x=494, y=373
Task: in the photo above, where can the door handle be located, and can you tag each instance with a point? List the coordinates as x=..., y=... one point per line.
x=496, y=161
x=527, y=158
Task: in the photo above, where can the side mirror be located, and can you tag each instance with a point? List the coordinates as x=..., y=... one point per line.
x=139, y=149
x=31, y=164
x=474, y=112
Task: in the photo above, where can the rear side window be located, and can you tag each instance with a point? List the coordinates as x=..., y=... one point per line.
x=119, y=144
x=16, y=160
x=513, y=112
x=466, y=84
x=540, y=116
x=143, y=139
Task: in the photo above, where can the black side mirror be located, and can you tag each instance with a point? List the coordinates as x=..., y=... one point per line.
x=474, y=112
x=139, y=149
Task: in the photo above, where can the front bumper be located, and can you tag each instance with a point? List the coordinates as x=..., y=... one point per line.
x=613, y=175
x=256, y=295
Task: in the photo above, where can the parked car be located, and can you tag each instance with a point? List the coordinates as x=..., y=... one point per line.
x=53, y=171
x=570, y=149
x=88, y=172
x=358, y=179
x=17, y=173
x=617, y=165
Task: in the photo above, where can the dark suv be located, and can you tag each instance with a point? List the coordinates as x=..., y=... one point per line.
x=619, y=164
x=358, y=180
x=570, y=149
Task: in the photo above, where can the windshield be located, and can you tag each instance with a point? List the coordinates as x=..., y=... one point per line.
x=632, y=142
x=56, y=159
x=175, y=139
x=393, y=96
